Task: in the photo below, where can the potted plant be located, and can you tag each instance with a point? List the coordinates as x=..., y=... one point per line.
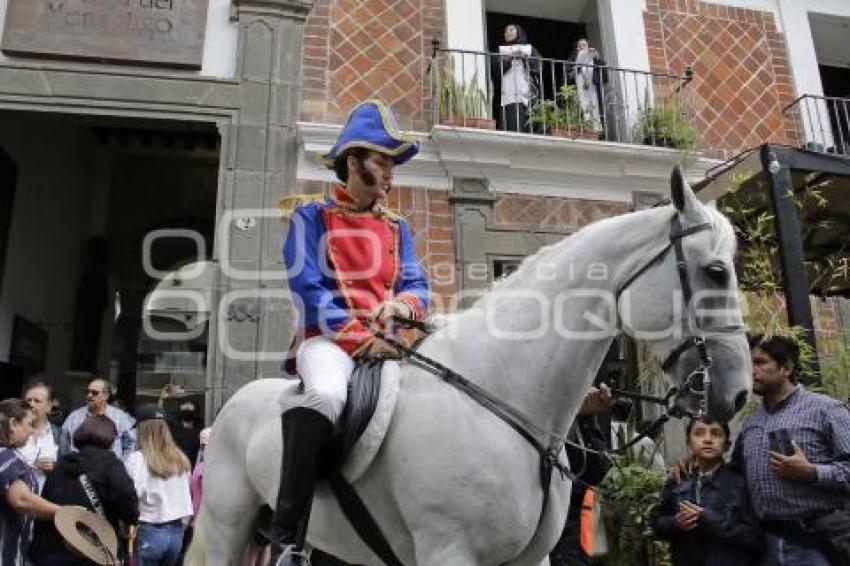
x=630, y=491
x=563, y=117
x=665, y=125
x=462, y=103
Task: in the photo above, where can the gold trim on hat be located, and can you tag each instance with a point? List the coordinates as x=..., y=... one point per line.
x=406, y=140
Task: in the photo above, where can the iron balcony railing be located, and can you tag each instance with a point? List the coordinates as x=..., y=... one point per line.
x=822, y=123
x=538, y=95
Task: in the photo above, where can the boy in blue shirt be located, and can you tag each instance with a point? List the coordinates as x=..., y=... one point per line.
x=707, y=516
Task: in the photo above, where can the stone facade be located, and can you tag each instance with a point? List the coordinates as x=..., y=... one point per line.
x=742, y=79
x=255, y=114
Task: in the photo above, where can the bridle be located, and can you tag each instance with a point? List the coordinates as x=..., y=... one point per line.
x=692, y=384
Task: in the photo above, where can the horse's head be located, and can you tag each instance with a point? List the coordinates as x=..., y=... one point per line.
x=682, y=301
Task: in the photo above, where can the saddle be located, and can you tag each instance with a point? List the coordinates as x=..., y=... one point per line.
x=364, y=394
x=364, y=389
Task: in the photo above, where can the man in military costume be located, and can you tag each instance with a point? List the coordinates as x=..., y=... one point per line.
x=350, y=264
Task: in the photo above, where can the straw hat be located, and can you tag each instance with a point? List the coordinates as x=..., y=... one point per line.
x=88, y=534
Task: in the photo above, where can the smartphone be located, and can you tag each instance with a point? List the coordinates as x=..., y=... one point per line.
x=780, y=441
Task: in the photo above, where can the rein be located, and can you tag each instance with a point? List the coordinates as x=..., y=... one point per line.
x=552, y=444
x=548, y=444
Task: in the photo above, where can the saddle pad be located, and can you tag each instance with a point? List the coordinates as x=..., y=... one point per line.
x=367, y=445
x=364, y=388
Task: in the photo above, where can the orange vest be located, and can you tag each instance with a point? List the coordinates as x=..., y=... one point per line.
x=586, y=522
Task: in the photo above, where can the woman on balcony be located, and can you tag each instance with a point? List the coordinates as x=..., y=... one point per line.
x=587, y=74
x=518, y=65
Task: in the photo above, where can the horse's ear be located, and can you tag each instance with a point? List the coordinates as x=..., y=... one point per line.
x=681, y=193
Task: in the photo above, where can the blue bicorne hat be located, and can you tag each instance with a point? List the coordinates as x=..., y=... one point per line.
x=371, y=125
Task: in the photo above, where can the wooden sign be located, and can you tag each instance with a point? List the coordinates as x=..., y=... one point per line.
x=144, y=32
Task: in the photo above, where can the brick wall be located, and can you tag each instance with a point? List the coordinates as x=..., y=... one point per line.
x=430, y=217
x=550, y=213
x=741, y=72
x=355, y=50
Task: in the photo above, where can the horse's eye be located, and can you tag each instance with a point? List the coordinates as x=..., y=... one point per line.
x=717, y=272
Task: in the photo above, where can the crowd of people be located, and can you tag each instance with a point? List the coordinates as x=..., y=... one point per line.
x=101, y=467
x=782, y=499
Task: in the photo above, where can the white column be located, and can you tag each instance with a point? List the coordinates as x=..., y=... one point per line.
x=465, y=24
x=624, y=32
x=623, y=28
x=803, y=60
x=465, y=32
x=3, y=7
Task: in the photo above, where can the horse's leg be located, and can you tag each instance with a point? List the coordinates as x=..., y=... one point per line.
x=228, y=517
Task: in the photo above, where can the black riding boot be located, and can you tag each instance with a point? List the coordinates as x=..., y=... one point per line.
x=305, y=433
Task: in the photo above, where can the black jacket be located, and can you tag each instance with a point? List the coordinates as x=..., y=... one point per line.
x=187, y=440
x=110, y=481
x=499, y=65
x=728, y=533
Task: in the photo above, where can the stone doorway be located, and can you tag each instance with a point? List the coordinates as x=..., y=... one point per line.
x=105, y=208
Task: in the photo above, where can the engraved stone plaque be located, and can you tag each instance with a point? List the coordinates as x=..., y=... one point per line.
x=145, y=32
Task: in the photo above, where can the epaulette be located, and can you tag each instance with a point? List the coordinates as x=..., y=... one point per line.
x=390, y=214
x=290, y=202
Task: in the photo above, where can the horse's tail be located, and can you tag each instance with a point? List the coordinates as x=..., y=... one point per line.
x=197, y=553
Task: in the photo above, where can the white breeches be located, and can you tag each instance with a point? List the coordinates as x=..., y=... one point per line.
x=325, y=369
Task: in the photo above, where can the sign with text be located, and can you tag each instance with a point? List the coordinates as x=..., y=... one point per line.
x=145, y=32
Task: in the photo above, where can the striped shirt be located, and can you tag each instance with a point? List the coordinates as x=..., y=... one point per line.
x=125, y=441
x=15, y=528
x=820, y=425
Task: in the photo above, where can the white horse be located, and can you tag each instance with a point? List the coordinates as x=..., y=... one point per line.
x=452, y=484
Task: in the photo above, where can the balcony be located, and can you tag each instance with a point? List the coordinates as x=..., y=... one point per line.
x=822, y=123
x=622, y=149
x=560, y=98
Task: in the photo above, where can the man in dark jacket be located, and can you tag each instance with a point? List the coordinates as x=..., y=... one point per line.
x=589, y=467
x=186, y=425
x=114, y=492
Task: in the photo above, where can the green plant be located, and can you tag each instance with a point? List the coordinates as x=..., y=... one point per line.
x=760, y=278
x=564, y=112
x=835, y=366
x=630, y=491
x=665, y=124
x=459, y=99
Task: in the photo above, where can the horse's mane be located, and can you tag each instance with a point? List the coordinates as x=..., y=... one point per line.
x=638, y=225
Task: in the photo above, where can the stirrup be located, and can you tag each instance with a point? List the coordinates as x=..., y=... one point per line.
x=291, y=556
